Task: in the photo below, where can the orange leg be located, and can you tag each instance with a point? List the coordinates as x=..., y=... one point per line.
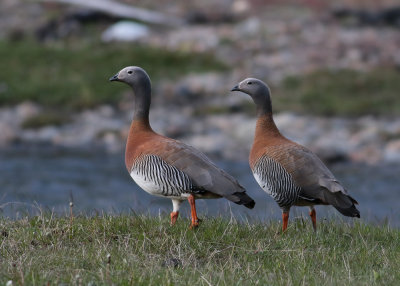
x=313, y=215
x=285, y=219
x=174, y=217
x=195, y=220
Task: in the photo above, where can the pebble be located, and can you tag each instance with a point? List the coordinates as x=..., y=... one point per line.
x=392, y=151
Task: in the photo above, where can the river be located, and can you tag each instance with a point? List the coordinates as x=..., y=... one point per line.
x=45, y=178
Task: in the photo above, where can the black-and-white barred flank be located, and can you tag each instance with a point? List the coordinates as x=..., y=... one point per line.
x=276, y=181
x=170, y=180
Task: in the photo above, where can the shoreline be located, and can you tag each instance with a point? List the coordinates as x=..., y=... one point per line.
x=365, y=139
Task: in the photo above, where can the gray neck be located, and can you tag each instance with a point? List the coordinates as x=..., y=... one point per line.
x=142, y=102
x=263, y=103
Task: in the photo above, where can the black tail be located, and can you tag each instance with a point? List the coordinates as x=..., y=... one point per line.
x=243, y=199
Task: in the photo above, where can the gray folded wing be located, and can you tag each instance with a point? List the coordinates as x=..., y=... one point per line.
x=317, y=181
x=204, y=173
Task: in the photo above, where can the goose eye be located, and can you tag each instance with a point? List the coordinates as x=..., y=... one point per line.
x=130, y=72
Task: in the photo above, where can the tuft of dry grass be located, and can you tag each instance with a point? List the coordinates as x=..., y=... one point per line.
x=142, y=250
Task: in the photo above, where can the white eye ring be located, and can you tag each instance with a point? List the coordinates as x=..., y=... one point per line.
x=130, y=72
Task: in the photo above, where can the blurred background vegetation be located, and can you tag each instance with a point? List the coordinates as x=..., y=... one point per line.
x=75, y=76
x=53, y=54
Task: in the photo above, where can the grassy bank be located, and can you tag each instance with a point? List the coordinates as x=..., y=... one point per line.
x=68, y=77
x=147, y=251
x=341, y=92
x=76, y=76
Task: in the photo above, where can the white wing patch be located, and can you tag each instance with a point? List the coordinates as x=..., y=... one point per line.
x=262, y=184
x=148, y=185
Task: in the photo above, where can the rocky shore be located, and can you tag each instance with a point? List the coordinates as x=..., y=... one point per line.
x=365, y=139
x=266, y=41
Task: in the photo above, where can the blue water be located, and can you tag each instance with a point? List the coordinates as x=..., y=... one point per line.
x=44, y=178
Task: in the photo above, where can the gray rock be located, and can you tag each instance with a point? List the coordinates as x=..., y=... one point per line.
x=391, y=152
x=248, y=28
x=7, y=134
x=26, y=110
x=197, y=39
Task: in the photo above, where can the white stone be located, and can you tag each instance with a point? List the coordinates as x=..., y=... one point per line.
x=125, y=31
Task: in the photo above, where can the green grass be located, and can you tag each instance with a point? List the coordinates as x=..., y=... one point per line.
x=69, y=76
x=346, y=93
x=342, y=92
x=147, y=251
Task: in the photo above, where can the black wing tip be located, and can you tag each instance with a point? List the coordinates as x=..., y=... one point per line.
x=356, y=213
x=250, y=205
x=351, y=211
x=243, y=199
